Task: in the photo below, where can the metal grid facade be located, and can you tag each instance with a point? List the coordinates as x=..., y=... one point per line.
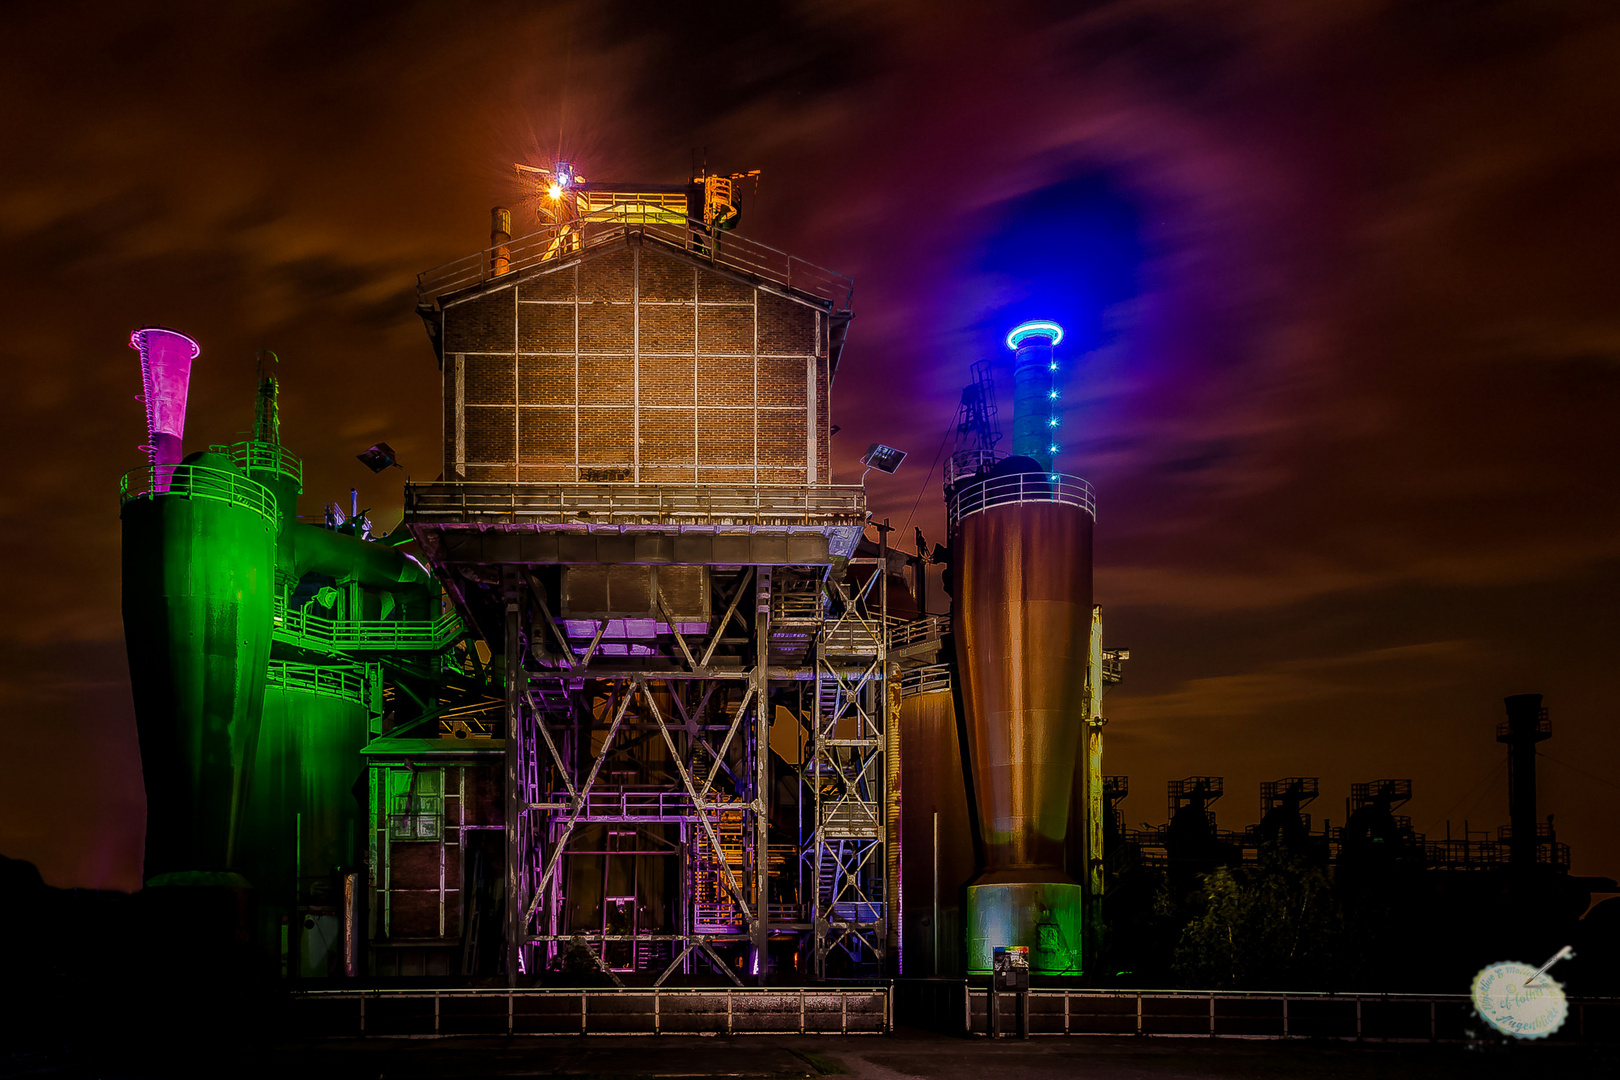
x=632, y=364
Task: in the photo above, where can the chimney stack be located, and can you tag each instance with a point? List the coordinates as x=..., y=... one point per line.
x=500, y=234
x=1526, y=726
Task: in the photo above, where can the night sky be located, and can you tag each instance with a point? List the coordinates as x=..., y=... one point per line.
x=1341, y=278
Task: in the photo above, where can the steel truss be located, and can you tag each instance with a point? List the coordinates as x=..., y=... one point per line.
x=848, y=846
x=694, y=710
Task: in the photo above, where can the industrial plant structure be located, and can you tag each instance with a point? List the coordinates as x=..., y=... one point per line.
x=645, y=699
x=637, y=691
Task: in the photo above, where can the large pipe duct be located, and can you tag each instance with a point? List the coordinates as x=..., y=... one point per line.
x=166, y=357
x=1021, y=548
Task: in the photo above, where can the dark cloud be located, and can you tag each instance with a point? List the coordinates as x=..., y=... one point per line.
x=1346, y=394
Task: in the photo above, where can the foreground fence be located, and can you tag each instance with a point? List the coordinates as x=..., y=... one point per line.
x=954, y=1006
x=819, y=1010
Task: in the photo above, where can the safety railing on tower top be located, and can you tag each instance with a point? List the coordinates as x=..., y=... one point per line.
x=197, y=482
x=264, y=457
x=1033, y=487
x=615, y=225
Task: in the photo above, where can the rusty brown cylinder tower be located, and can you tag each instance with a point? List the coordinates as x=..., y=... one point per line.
x=1022, y=555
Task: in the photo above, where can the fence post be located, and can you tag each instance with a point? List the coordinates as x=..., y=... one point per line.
x=1139, y=1012
x=1212, y=1014
x=1358, y=1019
x=1285, y=1016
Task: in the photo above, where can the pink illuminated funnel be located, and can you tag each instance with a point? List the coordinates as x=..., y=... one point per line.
x=166, y=357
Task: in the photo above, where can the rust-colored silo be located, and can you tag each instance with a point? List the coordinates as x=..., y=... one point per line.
x=1022, y=553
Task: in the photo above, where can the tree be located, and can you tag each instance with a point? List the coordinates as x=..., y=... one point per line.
x=1274, y=925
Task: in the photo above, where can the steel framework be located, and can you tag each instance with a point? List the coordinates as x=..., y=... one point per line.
x=652, y=737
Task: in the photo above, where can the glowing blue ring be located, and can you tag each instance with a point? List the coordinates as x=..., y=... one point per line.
x=1034, y=328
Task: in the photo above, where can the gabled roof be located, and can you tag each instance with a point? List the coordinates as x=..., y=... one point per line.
x=564, y=246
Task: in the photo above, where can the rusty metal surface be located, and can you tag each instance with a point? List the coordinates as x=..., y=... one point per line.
x=937, y=853
x=1023, y=622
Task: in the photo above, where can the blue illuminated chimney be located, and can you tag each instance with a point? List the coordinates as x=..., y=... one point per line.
x=1035, y=390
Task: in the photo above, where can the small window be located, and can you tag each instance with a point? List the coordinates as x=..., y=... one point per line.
x=415, y=804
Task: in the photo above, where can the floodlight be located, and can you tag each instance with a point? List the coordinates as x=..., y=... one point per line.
x=379, y=457
x=882, y=458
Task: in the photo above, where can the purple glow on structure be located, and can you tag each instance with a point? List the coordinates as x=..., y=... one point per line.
x=166, y=357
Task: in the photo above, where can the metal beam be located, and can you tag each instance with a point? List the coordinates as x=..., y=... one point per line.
x=515, y=921
x=760, y=690
x=708, y=826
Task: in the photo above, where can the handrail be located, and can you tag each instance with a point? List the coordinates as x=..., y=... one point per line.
x=264, y=457
x=620, y=223
x=303, y=627
x=610, y=503
x=197, y=482
x=1031, y=487
x=904, y=632
x=927, y=679
x=964, y=463
x=346, y=682
x=635, y=805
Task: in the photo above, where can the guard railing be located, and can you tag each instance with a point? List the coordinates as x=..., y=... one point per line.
x=264, y=457
x=618, y=224
x=197, y=482
x=581, y=504
x=1032, y=487
x=347, y=681
x=300, y=626
x=829, y=1010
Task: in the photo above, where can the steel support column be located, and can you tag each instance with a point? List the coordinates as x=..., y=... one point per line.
x=762, y=763
x=513, y=663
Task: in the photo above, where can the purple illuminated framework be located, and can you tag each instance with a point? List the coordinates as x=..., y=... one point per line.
x=166, y=357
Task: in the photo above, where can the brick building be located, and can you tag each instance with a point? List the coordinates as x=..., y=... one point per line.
x=637, y=362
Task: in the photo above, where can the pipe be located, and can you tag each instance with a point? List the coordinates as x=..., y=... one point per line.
x=166, y=357
x=351, y=925
x=314, y=550
x=500, y=234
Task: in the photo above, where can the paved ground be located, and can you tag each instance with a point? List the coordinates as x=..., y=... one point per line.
x=907, y=1054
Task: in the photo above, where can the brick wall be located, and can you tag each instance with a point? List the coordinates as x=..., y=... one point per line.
x=635, y=365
